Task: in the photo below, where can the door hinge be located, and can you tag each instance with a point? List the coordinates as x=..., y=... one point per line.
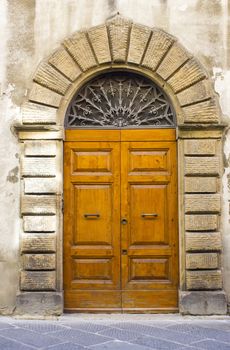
x=62, y=205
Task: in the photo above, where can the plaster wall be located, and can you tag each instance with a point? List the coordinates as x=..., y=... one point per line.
x=32, y=29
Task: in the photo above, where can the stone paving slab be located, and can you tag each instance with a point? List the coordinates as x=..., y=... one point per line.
x=116, y=332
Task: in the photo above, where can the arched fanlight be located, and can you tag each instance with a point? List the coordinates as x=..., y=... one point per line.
x=120, y=100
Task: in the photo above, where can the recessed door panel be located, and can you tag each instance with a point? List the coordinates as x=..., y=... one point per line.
x=148, y=207
x=93, y=211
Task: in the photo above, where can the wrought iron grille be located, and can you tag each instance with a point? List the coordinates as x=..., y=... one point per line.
x=120, y=100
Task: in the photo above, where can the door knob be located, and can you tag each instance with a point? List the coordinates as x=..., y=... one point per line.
x=124, y=251
x=124, y=221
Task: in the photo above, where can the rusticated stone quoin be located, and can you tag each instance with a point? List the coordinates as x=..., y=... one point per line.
x=202, y=203
x=203, y=303
x=39, y=261
x=206, y=261
x=202, y=166
x=203, y=241
x=40, y=186
x=38, y=280
x=34, y=204
x=42, y=242
x=206, y=280
x=200, y=147
x=201, y=222
x=201, y=184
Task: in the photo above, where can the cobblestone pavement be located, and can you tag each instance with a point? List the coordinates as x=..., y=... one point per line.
x=116, y=332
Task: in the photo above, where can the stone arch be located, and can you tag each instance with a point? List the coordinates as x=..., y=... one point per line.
x=121, y=44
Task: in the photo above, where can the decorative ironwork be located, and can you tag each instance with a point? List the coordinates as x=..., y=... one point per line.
x=120, y=100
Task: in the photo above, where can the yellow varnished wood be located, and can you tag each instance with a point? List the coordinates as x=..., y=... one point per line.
x=114, y=266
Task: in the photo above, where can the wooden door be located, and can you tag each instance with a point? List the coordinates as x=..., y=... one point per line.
x=91, y=224
x=149, y=205
x=125, y=255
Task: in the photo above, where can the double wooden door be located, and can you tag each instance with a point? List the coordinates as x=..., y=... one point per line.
x=120, y=221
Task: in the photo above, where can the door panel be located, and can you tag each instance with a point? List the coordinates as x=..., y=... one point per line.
x=149, y=240
x=91, y=222
x=112, y=264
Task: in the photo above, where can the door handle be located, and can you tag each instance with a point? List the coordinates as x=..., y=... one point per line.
x=92, y=216
x=149, y=215
x=124, y=221
x=124, y=251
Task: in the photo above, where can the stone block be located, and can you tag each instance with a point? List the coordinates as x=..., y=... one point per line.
x=119, y=30
x=38, y=280
x=202, y=166
x=39, y=304
x=203, y=241
x=40, y=185
x=204, y=261
x=187, y=75
x=38, y=243
x=41, y=223
x=203, y=303
x=62, y=61
x=176, y=56
x=45, y=96
x=205, y=222
x=33, y=113
x=49, y=77
x=159, y=44
x=40, y=148
x=79, y=48
x=196, y=93
x=138, y=40
x=203, y=112
x=39, y=166
x=39, y=261
x=98, y=37
x=206, y=280
x=195, y=203
x=33, y=204
x=201, y=184
x=200, y=147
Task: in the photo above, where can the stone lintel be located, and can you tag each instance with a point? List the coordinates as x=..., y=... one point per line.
x=203, y=303
x=39, y=304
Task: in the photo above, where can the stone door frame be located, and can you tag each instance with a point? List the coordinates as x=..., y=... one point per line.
x=123, y=45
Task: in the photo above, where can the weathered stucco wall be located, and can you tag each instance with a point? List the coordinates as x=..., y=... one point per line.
x=31, y=30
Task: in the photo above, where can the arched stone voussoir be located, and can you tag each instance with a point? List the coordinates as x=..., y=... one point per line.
x=79, y=48
x=119, y=29
x=98, y=37
x=50, y=78
x=40, y=94
x=158, y=45
x=139, y=37
x=65, y=64
x=175, y=57
x=190, y=73
x=34, y=113
x=202, y=112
